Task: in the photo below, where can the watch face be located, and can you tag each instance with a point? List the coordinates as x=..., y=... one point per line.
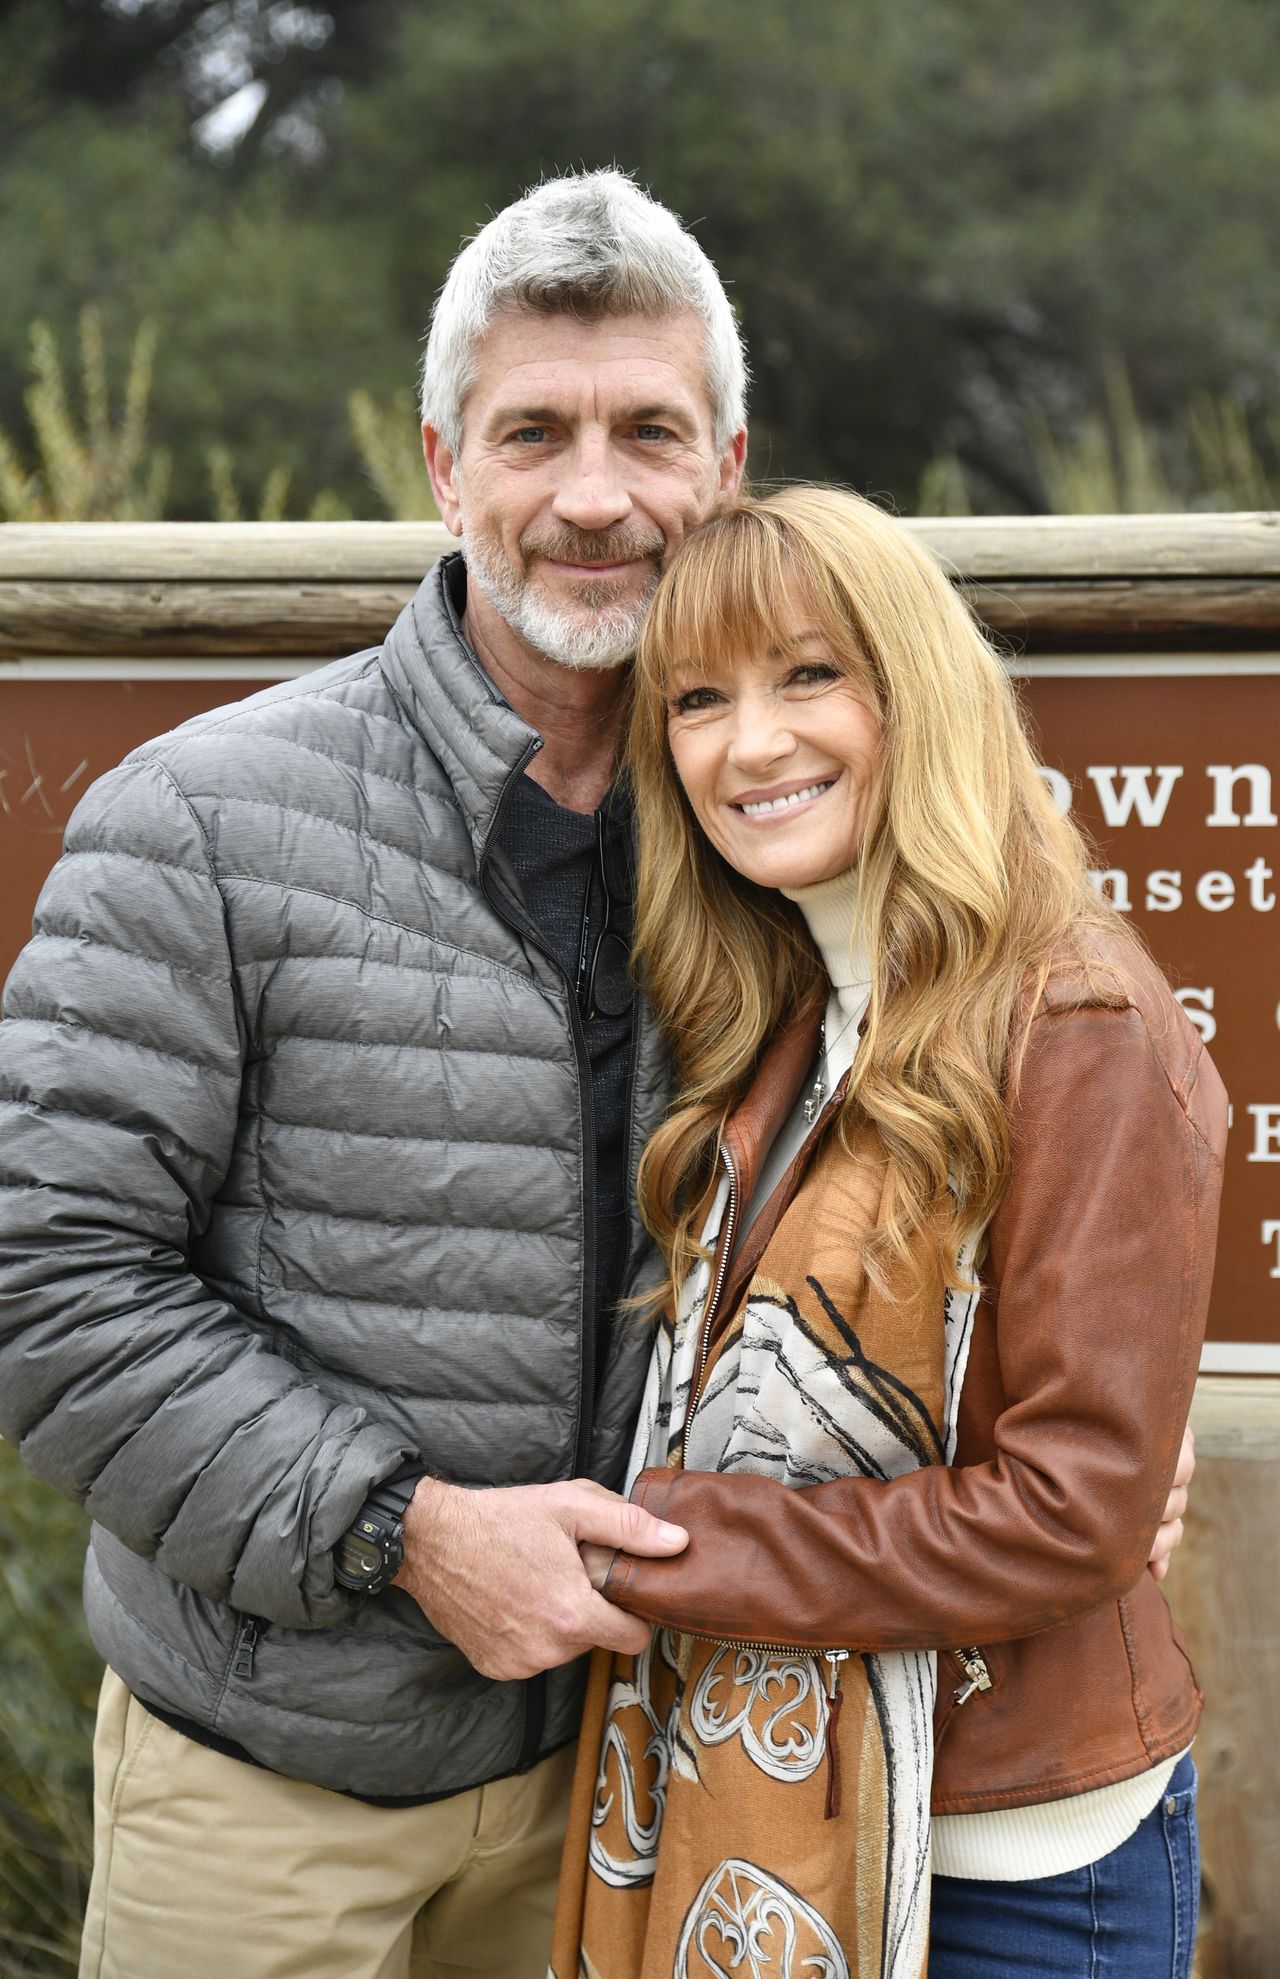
x=360, y=1556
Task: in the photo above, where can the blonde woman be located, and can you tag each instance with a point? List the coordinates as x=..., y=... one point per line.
x=938, y=1191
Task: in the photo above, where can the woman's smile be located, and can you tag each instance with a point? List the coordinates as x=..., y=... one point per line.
x=779, y=755
x=776, y=805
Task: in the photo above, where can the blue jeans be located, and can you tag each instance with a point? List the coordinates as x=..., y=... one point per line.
x=1131, y=1915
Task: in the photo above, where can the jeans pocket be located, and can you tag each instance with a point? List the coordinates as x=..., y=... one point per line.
x=1182, y=1840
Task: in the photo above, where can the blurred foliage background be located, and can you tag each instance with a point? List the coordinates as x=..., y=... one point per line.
x=49, y=1678
x=987, y=256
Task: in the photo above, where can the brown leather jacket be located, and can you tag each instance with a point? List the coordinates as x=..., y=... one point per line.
x=1032, y=1546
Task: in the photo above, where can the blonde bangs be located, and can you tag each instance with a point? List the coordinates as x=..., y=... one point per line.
x=729, y=594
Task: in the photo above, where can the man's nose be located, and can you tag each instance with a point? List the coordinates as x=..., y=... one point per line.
x=592, y=493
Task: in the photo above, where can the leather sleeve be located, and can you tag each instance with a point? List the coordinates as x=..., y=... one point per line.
x=1097, y=1287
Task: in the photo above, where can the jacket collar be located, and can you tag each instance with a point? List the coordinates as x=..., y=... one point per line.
x=477, y=736
x=754, y=1123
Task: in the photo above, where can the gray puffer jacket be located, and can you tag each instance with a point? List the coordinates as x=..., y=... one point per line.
x=292, y=1190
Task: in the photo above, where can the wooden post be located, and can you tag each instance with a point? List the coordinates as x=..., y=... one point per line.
x=1223, y=1587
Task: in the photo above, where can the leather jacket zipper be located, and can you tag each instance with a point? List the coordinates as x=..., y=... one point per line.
x=704, y=1344
x=977, y=1674
x=726, y=1255
x=833, y=1658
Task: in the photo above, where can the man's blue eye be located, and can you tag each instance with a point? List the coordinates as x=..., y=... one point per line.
x=531, y=435
x=651, y=432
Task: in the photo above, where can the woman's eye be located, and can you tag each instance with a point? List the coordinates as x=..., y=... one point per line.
x=813, y=674
x=694, y=700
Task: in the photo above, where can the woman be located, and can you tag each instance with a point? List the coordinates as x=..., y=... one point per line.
x=939, y=1190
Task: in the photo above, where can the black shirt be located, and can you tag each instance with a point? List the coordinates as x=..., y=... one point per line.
x=556, y=854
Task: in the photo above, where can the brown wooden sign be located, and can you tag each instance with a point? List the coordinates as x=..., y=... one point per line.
x=60, y=730
x=1172, y=765
x=1170, y=762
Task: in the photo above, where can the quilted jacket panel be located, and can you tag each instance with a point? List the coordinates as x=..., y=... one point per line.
x=292, y=1190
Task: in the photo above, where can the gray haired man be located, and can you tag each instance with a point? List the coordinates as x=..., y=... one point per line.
x=321, y=1096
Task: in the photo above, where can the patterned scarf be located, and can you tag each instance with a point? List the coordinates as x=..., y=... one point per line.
x=741, y=1809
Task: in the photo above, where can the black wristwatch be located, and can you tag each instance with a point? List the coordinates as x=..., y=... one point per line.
x=367, y=1557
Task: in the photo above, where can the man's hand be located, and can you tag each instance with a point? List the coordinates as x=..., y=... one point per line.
x=499, y=1572
x=1169, y=1534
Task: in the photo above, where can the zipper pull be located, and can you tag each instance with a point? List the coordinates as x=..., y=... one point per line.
x=974, y=1665
x=835, y=1698
x=247, y=1637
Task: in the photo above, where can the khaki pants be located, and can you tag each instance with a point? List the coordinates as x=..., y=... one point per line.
x=206, y=1868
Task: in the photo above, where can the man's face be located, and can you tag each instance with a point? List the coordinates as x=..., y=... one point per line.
x=587, y=452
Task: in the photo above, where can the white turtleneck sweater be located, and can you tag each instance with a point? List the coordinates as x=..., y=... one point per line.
x=1013, y=1844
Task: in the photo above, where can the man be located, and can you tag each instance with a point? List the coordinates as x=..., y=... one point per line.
x=323, y=1091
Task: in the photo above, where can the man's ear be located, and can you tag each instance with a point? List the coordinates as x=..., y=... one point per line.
x=442, y=467
x=732, y=463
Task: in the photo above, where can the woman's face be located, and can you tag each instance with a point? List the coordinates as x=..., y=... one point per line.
x=779, y=755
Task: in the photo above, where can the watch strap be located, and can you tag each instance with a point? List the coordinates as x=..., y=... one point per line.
x=379, y=1523
x=394, y=1495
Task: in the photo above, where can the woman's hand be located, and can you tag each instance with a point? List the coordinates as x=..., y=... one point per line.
x=1169, y=1534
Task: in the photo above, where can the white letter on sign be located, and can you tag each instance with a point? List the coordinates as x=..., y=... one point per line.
x=1059, y=788
x=1112, y=886
x=1216, y=892
x=1225, y=778
x=1266, y=1133
x=1135, y=793
x=1164, y=891
x=1271, y=1234
x=1198, y=1004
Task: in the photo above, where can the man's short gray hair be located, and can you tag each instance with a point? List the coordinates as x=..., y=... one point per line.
x=587, y=245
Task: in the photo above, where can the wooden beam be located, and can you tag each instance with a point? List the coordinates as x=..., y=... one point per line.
x=299, y=617
x=233, y=552
x=1106, y=546
x=1070, y=613
x=326, y=617
x=978, y=547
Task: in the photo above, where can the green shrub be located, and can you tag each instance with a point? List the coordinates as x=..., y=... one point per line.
x=94, y=468
x=1115, y=462
x=50, y=1680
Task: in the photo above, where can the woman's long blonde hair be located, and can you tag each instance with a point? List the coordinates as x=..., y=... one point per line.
x=969, y=883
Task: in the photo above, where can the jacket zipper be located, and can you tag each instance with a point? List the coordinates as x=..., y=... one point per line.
x=535, y=1688
x=245, y=1647
x=977, y=1674
x=633, y=1157
x=730, y=1218
x=833, y=1658
x=508, y=911
x=704, y=1344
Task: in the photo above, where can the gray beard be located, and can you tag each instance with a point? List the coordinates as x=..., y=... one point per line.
x=603, y=636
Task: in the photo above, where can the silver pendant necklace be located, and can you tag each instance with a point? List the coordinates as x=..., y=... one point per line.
x=818, y=1091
